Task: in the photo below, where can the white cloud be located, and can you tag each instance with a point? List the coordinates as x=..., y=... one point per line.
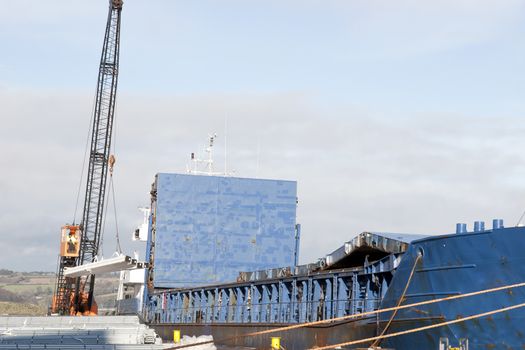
x=357, y=168
x=355, y=172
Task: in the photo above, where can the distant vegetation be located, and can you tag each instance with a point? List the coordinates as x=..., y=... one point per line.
x=7, y=308
x=30, y=293
x=6, y=295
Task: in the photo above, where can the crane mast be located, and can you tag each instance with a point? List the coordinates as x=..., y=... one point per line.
x=69, y=291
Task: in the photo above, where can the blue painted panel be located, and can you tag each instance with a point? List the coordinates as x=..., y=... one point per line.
x=209, y=228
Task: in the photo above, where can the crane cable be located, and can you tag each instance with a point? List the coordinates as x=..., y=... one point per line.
x=361, y=315
x=85, y=157
x=111, y=162
x=118, y=248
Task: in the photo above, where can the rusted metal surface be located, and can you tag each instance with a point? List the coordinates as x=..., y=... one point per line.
x=367, y=245
x=299, y=339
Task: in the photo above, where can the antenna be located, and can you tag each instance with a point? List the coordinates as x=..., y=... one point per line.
x=204, y=166
x=209, y=150
x=258, y=156
x=225, y=144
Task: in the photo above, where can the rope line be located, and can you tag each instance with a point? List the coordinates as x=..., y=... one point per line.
x=103, y=230
x=112, y=185
x=111, y=164
x=368, y=313
x=400, y=301
x=85, y=157
x=424, y=328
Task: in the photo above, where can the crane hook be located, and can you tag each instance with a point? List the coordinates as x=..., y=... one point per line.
x=111, y=162
x=117, y=4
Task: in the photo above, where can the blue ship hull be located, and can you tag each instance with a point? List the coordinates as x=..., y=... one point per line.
x=457, y=264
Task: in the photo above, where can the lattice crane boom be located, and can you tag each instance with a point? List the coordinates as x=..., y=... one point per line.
x=68, y=291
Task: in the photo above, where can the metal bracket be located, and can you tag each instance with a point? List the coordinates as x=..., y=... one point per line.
x=444, y=344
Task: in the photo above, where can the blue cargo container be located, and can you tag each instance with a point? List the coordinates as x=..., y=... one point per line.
x=205, y=229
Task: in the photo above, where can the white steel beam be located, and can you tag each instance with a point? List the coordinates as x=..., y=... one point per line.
x=119, y=263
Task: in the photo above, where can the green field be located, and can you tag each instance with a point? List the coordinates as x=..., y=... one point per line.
x=29, y=293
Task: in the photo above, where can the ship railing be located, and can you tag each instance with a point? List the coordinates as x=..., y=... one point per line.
x=265, y=312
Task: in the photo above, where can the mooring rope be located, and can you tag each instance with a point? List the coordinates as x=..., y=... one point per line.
x=424, y=328
x=399, y=302
x=360, y=315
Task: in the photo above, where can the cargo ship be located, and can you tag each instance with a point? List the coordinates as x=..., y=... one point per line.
x=373, y=271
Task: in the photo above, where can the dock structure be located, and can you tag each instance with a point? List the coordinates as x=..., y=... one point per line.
x=63, y=332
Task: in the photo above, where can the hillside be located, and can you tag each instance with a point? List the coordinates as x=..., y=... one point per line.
x=30, y=293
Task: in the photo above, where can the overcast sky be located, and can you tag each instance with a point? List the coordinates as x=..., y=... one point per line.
x=397, y=116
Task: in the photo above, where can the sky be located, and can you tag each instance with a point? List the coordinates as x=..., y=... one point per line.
x=395, y=116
